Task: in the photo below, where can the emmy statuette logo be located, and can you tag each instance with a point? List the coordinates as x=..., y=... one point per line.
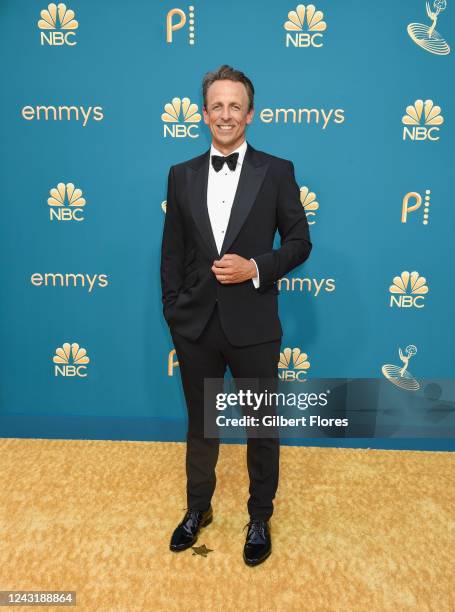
x=422, y=119
x=412, y=202
x=180, y=119
x=57, y=25
x=408, y=290
x=176, y=19
x=70, y=360
x=304, y=27
x=400, y=375
x=66, y=203
x=293, y=365
x=426, y=36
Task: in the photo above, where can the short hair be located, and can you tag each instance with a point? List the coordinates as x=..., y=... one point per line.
x=226, y=72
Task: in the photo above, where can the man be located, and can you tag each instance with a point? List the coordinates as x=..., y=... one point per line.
x=218, y=276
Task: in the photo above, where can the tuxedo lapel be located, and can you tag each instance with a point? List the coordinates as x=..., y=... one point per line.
x=251, y=177
x=197, y=188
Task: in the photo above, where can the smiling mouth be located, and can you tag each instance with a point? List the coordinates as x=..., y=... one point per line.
x=225, y=128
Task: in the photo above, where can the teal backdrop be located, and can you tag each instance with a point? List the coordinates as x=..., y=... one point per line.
x=360, y=166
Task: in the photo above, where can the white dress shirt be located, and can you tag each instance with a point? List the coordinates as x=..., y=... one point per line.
x=221, y=190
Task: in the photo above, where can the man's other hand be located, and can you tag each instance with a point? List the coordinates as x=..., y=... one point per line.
x=232, y=268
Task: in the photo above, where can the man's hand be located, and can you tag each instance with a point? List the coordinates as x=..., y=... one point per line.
x=232, y=268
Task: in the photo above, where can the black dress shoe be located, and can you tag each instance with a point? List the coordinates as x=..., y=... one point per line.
x=258, y=545
x=186, y=532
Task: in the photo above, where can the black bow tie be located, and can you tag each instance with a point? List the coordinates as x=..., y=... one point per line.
x=218, y=161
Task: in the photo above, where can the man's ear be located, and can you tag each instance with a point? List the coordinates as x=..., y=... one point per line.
x=250, y=115
x=205, y=115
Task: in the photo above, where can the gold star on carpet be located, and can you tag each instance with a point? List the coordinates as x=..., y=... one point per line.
x=201, y=550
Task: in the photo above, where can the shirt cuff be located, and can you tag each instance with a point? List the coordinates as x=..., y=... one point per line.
x=255, y=279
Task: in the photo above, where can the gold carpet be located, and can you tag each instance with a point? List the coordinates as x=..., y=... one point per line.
x=353, y=530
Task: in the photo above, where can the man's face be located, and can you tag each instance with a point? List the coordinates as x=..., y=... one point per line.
x=227, y=114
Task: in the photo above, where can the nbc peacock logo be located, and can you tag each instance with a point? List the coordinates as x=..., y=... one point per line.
x=304, y=27
x=408, y=290
x=70, y=360
x=293, y=365
x=428, y=37
x=309, y=203
x=180, y=119
x=66, y=203
x=422, y=120
x=57, y=25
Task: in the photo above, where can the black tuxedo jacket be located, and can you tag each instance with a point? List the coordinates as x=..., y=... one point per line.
x=267, y=199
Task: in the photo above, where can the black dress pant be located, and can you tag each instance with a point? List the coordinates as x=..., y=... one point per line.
x=207, y=357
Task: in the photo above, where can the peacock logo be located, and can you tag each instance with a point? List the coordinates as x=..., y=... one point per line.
x=177, y=114
x=412, y=201
x=408, y=290
x=70, y=360
x=423, y=119
x=54, y=19
x=293, y=364
x=304, y=27
x=309, y=203
x=176, y=18
x=172, y=362
x=66, y=203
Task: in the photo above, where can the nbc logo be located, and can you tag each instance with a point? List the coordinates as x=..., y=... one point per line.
x=53, y=20
x=305, y=18
x=426, y=36
x=309, y=203
x=72, y=211
x=172, y=362
x=293, y=365
x=412, y=201
x=175, y=111
x=71, y=359
x=177, y=24
x=420, y=115
x=408, y=290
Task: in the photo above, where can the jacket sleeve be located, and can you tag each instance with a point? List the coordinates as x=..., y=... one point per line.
x=172, y=247
x=293, y=229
